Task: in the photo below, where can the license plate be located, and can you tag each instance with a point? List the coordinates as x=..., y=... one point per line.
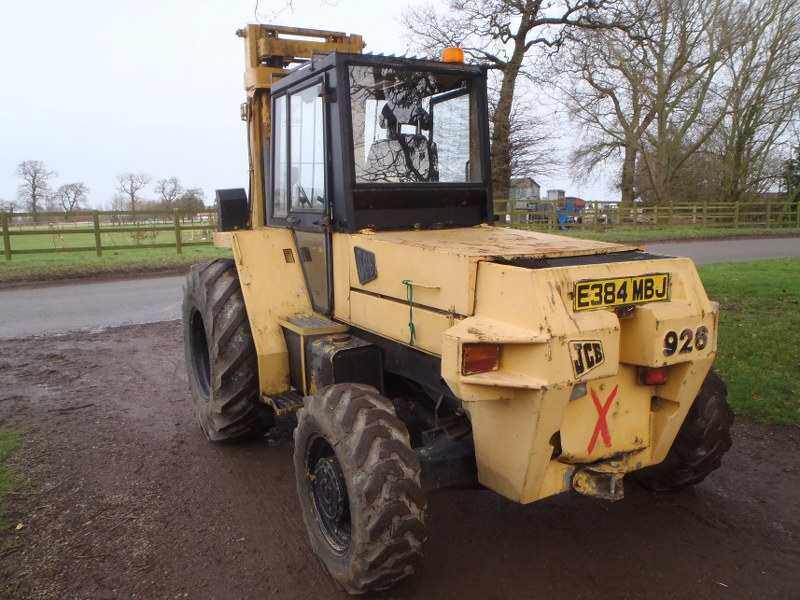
x=591, y=294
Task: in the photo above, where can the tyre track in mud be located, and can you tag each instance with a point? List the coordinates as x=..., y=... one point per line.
x=126, y=499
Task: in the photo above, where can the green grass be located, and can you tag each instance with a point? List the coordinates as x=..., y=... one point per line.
x=629, y=234
x=759, y=345
x=9, y=441
x=61, y=260
x=39, y=267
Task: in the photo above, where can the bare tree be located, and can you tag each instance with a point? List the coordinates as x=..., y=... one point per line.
x=694, y=97
x=694, y=38
x=601, y=85
x=169, y=191
x=35, y=190
x=763, y=75
x=653, y=94
x=531, y=148
x=503, y=35
x=71, y=196
x=129, y=185
x=8, y=206
x=118, y=203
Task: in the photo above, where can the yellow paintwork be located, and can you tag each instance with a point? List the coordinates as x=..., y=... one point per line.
x=273, y=290
x=445, y=262
x=520, y=411
x=279, y=47
x=529, y=434
x=566, y=392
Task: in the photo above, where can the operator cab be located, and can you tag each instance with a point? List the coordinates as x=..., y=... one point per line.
x=361, y=141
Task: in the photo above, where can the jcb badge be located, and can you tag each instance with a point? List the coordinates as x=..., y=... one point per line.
x=586, y=355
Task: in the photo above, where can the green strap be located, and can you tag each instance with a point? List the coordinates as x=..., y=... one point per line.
x=410, y=296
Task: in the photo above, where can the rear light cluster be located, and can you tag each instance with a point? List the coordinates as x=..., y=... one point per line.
x=653, y=375
x=479, y=358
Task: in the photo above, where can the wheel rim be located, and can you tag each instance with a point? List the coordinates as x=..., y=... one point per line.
x=329, y=495
x=201, y=363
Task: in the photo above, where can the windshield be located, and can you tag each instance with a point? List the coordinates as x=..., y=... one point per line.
x=413, y=127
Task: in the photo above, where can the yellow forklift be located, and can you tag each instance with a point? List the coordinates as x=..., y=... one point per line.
x=420, y=346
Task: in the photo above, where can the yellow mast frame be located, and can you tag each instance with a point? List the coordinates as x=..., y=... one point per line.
x=269, y=52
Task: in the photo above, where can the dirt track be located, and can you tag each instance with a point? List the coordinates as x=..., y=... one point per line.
x=126, y=499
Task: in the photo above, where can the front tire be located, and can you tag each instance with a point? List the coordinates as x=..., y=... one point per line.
x=700, y=444
x=221, y=361
x=358, y=483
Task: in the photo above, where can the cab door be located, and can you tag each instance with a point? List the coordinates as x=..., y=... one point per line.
x=300, y=194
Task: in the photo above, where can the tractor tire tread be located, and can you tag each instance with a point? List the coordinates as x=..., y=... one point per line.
x=700, y=444
x=232, y=411
x=387, y=506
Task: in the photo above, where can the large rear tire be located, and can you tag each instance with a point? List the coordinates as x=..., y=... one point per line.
x=700, y=444
x=221, y=359
x=359, y=488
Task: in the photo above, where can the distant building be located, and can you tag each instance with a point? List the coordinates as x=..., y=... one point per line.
x=556, y=195
x=524, y=188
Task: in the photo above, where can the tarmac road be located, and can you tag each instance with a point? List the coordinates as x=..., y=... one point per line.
x=733, y=250
x=95, y=306
x=61, y=308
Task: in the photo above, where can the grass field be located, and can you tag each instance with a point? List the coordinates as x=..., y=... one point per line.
x=39, y=267
x=628, y=234
x=9, y=441
x=759, y=347
x=63, y=250
x=78, y=237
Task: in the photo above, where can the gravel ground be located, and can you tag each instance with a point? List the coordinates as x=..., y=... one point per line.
x=124, y=498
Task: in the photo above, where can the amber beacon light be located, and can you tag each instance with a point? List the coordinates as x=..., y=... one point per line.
x=453, y=55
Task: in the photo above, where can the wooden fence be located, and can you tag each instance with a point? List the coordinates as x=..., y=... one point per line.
x=99, y=231
x=96, y=231
x=598, y=216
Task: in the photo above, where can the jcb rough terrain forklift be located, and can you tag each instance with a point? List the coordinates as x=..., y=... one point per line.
x=421, y=347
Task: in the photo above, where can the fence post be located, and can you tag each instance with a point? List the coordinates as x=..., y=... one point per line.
x=596, y=215
x=671, y=213
x=6, y=236
x=655, y=214
x=705, y=212
x=694, y=215
x=177, y=217
x=769, y=212
x=736, y=215
x=98, y=245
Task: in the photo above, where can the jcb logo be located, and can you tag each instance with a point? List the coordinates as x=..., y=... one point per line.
x=586, y=355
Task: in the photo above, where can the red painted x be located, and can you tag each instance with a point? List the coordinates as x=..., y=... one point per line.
x=602, y=425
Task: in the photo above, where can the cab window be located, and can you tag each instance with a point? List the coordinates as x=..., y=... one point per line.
x=299, y=153
x=413, y=127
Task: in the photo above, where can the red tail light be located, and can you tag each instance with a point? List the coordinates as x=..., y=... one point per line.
x=653, y=376
x=479, y=358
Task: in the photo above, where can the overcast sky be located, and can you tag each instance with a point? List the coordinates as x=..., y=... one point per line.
x=95, y=88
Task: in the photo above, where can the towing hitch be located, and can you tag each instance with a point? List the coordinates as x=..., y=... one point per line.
x=601, y=480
